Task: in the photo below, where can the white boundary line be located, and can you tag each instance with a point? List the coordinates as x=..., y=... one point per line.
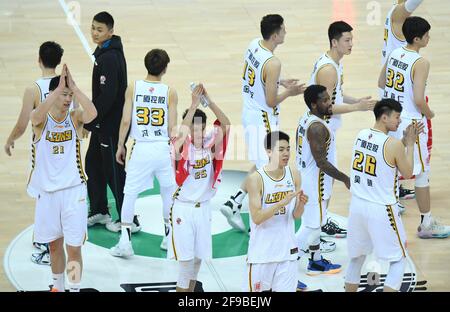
x=77, y=29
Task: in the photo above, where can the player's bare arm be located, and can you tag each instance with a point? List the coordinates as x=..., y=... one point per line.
x=302, y=198
x=396, y=150
x=173, y=115
x=401, y=12
x=125, y=124
x=258, y=214
x=420, y=76
x=220, y=115
x=29, y=101
x=317, y=136
x=271, y=74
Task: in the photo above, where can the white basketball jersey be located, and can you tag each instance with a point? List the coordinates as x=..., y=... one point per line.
x=198, y=185
x=253, y=84
x=43, y=85
x=150, y=111
x=337, y=98
x=274, y=239
x=372, y=178
x=56, y=157
x=391, y=41
x=399, y=81
x=317, y=185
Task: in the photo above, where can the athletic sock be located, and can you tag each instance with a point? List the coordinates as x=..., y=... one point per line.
x=58, y=281
x=125, y=237
x=239, y=197
x=425, y=219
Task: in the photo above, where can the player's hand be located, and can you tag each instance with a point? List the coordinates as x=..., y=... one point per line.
x=70, y=82
x=288, y=198
x=296, y=89
x=85, y=133
x=366, y=103
x=196, y=94
x=121, y=154
x=411, y=132
x=8, y=146
x=288, y=82
x=62, y=79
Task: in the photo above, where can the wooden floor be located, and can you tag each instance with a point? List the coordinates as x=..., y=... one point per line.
x=206, y=40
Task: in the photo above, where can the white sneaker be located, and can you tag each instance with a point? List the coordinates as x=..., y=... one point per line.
x=123, y=250
x=114, y=226
x=401, y=208
x=99, y=218
x=42, y=258
x=231, y=210
x=435, y=230
x=325, y=246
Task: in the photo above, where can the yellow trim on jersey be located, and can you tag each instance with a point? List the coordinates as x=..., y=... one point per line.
x=320, y=185
x=80, y=162
x=250, y=278
x=409, y=50
x=259, y=43
x=58, y=122
x=395, y=186
x=394, y=225
x=266, y=121
x=392, y=30
x=151, y=81
x=419, y=149
x=40, y=93
x=171, y=225
x=412, y=70
x=384, y=154
x=33, y=162
x=284, y=174
x=262, y=71
x=132, y=148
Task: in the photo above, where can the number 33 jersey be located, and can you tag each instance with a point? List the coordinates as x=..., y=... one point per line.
x=372, y=177
x=56, y=158
x=150, y=111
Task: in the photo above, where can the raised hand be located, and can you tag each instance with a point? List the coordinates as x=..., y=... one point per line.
x=366, y=103
x=70, y=82
x=288, y=82
x=296, y=89
x=196, y=94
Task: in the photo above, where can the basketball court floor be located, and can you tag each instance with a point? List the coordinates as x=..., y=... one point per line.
x=205, y=40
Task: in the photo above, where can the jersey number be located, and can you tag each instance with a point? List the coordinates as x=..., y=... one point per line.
x=58, y=149
x=250, y=72
x=397, y=83
x=370, y=165
x=282, y=211
x=200, y=174
x=143, y=114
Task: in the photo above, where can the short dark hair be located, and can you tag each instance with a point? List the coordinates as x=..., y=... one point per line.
x=415, y=26
x=198, y=114
x=156, y=61
x=386, y=106
x=104, y=18
x=54, y=83
x=50, y=54
x=271, y=24
x=336, y=29
x=311, y=94
x=273, y=137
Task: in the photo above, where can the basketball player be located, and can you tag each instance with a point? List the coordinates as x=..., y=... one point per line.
x=393, y=39
x=58, y=177
x=315, y=154
x=199, y=163
x=329, y=72
x=404, y=78
x=50, y=54
x=275, y=202
x=151, y=111
x=374, y=222
x=262, y=100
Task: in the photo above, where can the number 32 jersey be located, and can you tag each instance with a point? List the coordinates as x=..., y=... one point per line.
x=372, y=177
x=150, y=111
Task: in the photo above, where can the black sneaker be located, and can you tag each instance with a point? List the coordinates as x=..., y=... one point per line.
x=406, y=193
x=332, y=229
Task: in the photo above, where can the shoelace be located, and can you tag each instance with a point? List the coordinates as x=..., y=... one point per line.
x=332, y=225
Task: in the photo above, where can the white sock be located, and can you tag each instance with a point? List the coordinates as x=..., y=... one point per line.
x=125, y=237
x=58, y=281
x=425, y=219
x=239, y=197
x=74, y=287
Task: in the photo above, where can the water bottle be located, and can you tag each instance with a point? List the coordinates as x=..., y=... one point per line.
x=203, y=98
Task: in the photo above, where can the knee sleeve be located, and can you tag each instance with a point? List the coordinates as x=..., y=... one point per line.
x=394, y=277
x=353, y=274
x=167, y=200
x=197, y=263
x=422, y=180
x=127, y=213
x=185, y=273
